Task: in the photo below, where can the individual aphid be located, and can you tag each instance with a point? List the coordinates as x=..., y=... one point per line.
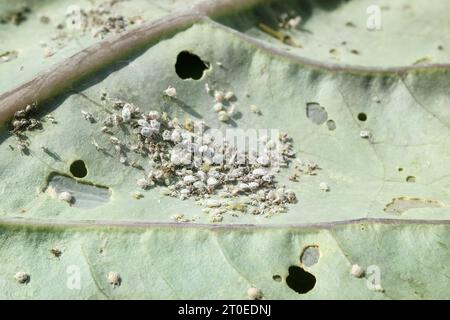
x=170, y=92
x=123, y=160
x=232, y=111
x=154, y=115
x=212, y=182
x=255, y=109
x=207, y=88
x=56, y=252
x=87, y=116
x=218, y=107
x=51, y=119
x=33, y=124
x=324, y=186
x=229, y=95
x=143, y=183
x=254, y=293
x=290, y=196
x=22, y=277
x=96, y=145
x=137, y=195
x=189, y=124
x=22, y=146
x=126, y=113
x=219, y=96
x=65, y=196
x=365, y=134
x=113, y=279
x=114, y=140
x=223, y=116
x=357, y=271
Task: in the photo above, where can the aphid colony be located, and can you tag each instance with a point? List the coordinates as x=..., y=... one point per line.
x=189, y=163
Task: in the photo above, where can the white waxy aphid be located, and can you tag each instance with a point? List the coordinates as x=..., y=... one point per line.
x=290, y=195
x=142, y=183
x=232, y=111
x=294, y=22
x=143, y=123
x=253, y=185
x=229, y=95
x=254, y=293
x=255, y=109
x=207, y=88
x=22, y=277
x=218, y=107
x=154, y=115
x=123, y=160
x=137, y=195
x=155, y=125
x=223, y=116
x=189, y=179
x=259, y=172
x=324, y=186
x=147, y=132
x=212, y=182
x=170, y=92
x=263, y=160
x=243, y=187
x=113, y=278
x=357, y=271
x=87, y=116
x=126, y=113
x=114, y=140
x=213, y=203
x=219, y=96
x=65, y=196
x=365, y=134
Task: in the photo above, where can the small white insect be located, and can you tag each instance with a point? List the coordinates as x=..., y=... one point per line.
x=223, y=116
x=324, y=186
x=22, y=277
x=87, y=116
x=254, y=293
x=365, y=134
x=255, y=109
x=189, y=179
x=357, y=271
x=114, y=140
x=143, y=183
x=126, y=113
x=229, y=95
x=231, y=111
x=219, y=96
x=96, y=145
x=113, y=278
x=170, y=92
x=207, y=88
x=65, y=196
x=218, y=107
x=212, y=182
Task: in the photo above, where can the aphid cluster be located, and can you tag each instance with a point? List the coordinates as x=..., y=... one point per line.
x=189, y=163
x=23, y=120
x=223, y=103
x=289, y=20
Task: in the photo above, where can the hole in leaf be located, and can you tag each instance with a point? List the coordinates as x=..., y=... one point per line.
x=310, y=256
x=331, y=125
x=190, y=66
x=362, y=116
x=410, y=179
x=78, y=169
x=277, y=278
x=300, y=280
x=316, y=113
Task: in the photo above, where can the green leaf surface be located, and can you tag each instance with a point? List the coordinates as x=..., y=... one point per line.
x=376, y=124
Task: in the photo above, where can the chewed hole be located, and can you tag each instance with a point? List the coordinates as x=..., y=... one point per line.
x=362, y=116
x=190, y=66
x=277, y=278
x=300, y=280
x=78, y=169
x=410, y=179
